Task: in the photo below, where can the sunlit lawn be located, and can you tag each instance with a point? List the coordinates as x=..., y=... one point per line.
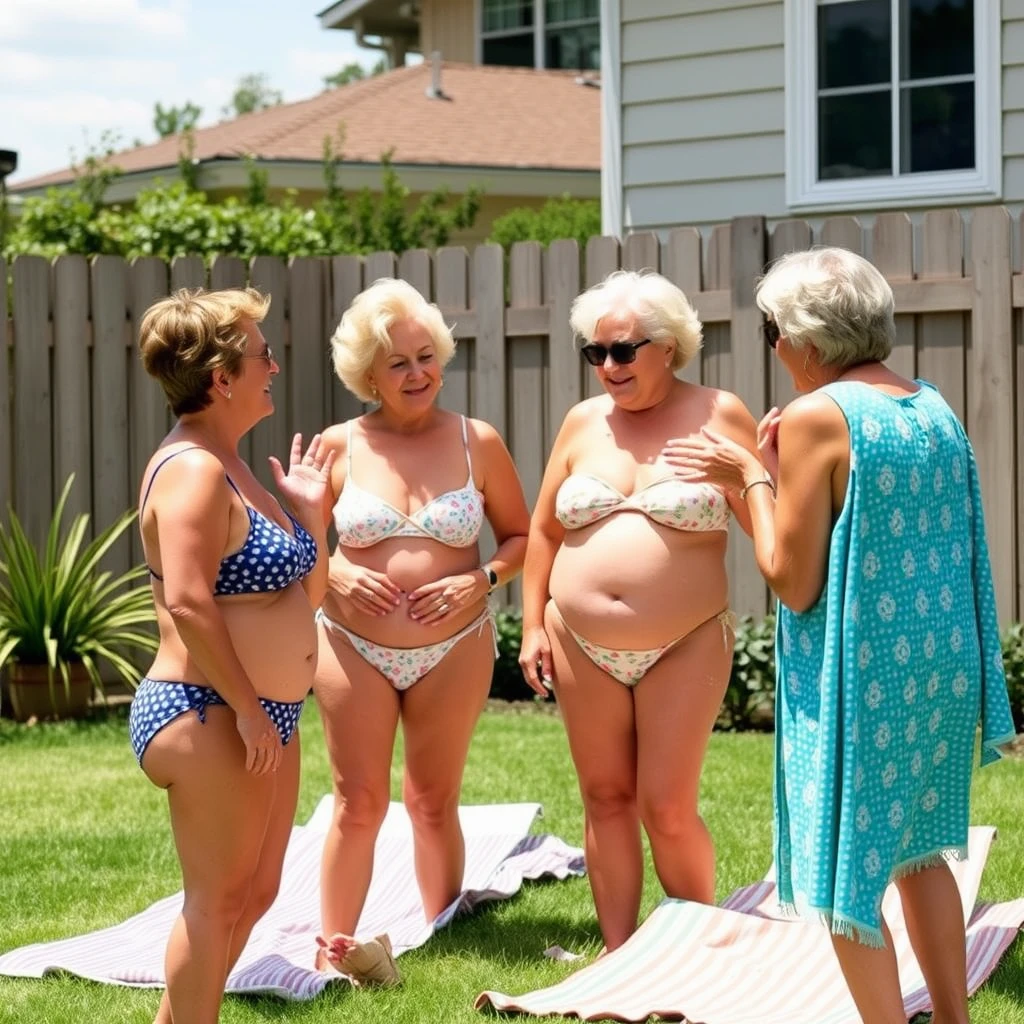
x=84, y=844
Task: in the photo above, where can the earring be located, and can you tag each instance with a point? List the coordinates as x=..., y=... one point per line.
x=374, y=393
x=441, y=385
x=229, y=394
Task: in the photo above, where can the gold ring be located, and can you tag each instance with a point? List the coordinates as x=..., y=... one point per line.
x=443, y=607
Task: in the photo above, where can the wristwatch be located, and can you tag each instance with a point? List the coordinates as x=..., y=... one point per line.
x=492, y=576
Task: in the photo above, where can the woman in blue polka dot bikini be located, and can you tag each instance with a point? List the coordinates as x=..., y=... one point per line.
x=235, y=578
x=888, y=646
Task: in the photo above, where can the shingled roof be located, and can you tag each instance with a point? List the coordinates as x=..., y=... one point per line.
x=485, y=116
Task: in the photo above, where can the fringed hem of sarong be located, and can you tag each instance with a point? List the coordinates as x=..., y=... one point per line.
x=838, y=924
x=928, y=860
x=990, y=752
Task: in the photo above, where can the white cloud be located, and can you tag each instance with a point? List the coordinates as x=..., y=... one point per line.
x=26, y=19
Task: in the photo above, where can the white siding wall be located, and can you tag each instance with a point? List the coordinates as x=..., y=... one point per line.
x=1013, y=100
x=702, y=111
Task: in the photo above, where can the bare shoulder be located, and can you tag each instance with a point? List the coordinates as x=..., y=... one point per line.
x=728, y=407
x=336, y=437
x=191, y=473
x=814, y=412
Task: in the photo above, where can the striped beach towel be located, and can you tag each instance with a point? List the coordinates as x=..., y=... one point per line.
x=744, y=963
x=500, y=854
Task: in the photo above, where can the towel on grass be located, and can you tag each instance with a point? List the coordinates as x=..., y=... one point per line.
x=278, y=959
x=746, y=963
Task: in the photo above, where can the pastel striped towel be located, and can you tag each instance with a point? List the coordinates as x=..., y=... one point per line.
x=500, y=854
x=744, y=963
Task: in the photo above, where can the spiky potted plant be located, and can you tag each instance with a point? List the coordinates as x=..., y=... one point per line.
x=62, y=616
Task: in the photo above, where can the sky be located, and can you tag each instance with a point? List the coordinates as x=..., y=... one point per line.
x=71, y=70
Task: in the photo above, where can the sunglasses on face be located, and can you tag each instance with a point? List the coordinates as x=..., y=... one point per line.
x=622, y=352
x=771, y=332
x=267, y=355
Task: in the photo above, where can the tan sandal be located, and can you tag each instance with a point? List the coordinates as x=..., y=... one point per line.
x=366, y=963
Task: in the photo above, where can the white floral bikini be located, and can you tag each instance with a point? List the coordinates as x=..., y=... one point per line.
x=363, y=519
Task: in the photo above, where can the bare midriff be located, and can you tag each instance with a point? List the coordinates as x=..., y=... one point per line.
x=629, y=583
x=410, y=562
x=273, y=635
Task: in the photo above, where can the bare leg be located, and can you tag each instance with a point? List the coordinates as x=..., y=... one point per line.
x=439, y=714
x=359, y=708
x=872, y=978
x=935, y=924
x=677, y=703
x=219, y=842
x=599, y=721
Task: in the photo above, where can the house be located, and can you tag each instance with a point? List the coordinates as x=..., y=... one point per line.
x=803, y=108
x=523, y=135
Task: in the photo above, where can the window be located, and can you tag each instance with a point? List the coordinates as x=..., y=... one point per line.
x=891, y=100
x=541, y=33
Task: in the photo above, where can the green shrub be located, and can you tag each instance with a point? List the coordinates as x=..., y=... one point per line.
x=750, y=697
x=1013, y=661
x=508, y=682
x=557, y=218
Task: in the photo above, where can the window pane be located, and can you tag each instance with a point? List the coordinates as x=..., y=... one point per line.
x=937, y=127
x=937, y=38
x=512, y=51
x=854, y=43
x=578, y=47
x=570, y=10
x=501, y=15
x=854, y=135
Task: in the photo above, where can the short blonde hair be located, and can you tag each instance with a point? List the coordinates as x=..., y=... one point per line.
x=833, y=300
x=183, y=339
x=363, y=331
x=661, y=309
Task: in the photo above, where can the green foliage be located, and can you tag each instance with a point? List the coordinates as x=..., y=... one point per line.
x=58, y=607
x=176, y=219
x=750, y=697
x=1013, y=662
x=508, y=682
x=354, y=72
x=557, y=218
x=252, y=93
x=172, y=120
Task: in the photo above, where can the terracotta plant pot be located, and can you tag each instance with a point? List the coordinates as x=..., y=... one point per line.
x=31, y=696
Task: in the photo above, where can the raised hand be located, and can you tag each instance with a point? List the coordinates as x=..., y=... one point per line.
x=308, y=476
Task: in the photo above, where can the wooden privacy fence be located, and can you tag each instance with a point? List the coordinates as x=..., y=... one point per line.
x=74, y=396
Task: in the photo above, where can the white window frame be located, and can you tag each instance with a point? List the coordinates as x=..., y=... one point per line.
x=539, y=32
x=803, y=190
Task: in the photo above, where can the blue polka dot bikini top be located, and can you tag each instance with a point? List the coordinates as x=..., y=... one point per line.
x=270, y=559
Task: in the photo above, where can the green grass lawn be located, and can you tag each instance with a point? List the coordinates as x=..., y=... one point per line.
x=84, y=843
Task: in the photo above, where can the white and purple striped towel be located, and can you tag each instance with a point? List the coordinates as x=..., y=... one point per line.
x=744, y=963
x=278, y=959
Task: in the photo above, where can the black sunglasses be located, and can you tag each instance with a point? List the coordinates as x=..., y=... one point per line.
x=771, y=332
x=622, y=352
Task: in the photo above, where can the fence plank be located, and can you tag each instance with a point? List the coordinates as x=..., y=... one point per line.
x=748, y=245
x=717, y=277
x=565, y=368
x=787, y=236
x=231, y=272
x=273, y=436
x=488, y=384
x=307, y=360
x=845, y=232
x=71, y=337
x=346, y=284
x=642, y=251
x=893, y=254
x=990, y=394
x=602, y=258
x=378, y=265
x=188, y=272
x=452, y=295
x=111, y=338
x=682, y=266
x=415, y=266
x=7, y=435
x=942, y=337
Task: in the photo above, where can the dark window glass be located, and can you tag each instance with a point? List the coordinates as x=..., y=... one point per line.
x=854, y=44
x=512, y=51
x=937, y=127
x=577, y=48
x=937, y=38
x=500, y=15
x=854, y=135
x=570, y=10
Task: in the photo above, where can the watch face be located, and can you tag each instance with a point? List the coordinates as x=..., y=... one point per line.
x=492, y=576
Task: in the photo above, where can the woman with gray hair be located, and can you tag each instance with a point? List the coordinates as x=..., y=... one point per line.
x=625, y=594
x=888, y=645
x=405, y=630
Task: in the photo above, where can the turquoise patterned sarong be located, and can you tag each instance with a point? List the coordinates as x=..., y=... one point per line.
x=881, y=684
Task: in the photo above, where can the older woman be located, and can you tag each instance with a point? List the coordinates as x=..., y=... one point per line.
x=405, y=630
x=888, y=645
x=235, y=577
x=625, y=595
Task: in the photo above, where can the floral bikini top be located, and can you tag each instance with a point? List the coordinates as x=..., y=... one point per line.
x=270, y=559
x=454, y=518
x=584, y=499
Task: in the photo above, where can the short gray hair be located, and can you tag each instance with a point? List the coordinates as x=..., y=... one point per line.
x=365, y=326
x=662, y=310
x=833, y=300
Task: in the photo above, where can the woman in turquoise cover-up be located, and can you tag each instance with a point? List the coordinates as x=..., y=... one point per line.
x=888, y=646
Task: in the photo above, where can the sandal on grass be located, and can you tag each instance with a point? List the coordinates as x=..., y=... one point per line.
x=365, y=964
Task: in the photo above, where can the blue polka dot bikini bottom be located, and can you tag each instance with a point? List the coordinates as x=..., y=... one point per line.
x=158, y=702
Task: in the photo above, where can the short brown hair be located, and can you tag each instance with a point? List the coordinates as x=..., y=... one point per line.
x=187, y=336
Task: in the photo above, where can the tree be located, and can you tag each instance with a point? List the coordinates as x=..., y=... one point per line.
x=172, y=120
x=252, y=93
x=355, y=72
